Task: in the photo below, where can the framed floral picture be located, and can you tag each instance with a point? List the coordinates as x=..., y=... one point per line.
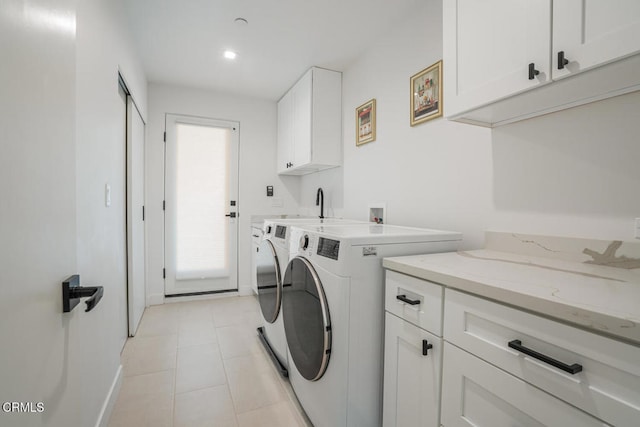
x=426, y=94
x=366, y=122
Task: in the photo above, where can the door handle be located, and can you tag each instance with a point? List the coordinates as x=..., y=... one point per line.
x=426, y=347
x=231, y=215
x=562, y=61
x=532, y=71
x=72, y=292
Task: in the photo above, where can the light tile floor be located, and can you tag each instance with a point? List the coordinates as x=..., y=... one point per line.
x=201, y=363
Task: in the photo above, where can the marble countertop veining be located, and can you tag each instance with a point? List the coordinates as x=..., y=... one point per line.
x=600, y=298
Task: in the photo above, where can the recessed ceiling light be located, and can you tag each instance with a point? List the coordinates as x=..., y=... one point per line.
x=229, y=54
x=241, y=21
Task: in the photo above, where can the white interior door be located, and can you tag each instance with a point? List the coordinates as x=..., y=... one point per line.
x=135, y=216
x=201, y=189
x=42, y=349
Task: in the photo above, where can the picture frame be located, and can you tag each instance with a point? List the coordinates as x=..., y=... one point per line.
x=366, y=122
x=426, y=94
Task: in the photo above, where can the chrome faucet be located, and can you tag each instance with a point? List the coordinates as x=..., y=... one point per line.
x=320, y=201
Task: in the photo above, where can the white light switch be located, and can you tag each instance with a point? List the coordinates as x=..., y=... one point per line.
x=277, y=202
x=107, y=195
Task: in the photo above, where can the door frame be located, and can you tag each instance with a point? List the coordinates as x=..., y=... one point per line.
x=212, y=122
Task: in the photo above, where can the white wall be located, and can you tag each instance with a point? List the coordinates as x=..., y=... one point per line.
x=103, y=48
x=435, y=175
x=257, y=169
x=568, y=173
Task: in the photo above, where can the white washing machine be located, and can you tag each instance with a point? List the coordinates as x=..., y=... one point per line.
x=333, y=309
x=272, y=258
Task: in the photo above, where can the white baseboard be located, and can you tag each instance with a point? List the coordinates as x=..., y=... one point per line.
x=110, y=401
x=155, y=299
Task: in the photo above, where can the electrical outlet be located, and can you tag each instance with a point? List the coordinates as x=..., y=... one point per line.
x=637, y=233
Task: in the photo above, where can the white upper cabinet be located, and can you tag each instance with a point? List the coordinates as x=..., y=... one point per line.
x=310, y=124
x=490, y=46
x=285, y=131
x=588, y=33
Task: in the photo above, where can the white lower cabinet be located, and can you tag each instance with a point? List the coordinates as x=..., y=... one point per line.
x=501, y=366
x=598, y=375
x=476, y=393
x=412, y=363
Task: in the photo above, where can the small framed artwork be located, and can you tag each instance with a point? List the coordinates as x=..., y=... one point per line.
x=366, y=122
x=426, y=94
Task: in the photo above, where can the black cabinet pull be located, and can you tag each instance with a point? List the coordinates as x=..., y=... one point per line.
x=572, y=369
x=562, y=61
x=532, y=71
x=426, y=347
x=404, y=298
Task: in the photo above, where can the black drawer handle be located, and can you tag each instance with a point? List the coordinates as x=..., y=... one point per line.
x=426, y=347
x=572, y=369
x=404, y=298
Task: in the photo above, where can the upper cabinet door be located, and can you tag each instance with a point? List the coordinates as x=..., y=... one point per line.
x=488, y=49
x=302, y=125
x=285, y=132
x=593, y=32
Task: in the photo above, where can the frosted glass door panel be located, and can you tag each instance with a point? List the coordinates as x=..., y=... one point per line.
x=201, y=185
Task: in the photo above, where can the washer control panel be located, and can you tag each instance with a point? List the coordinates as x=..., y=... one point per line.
x=281, y=231
x=328, y=248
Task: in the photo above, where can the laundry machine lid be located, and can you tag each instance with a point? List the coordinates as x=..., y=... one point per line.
x=268, y=279
x=307, y=323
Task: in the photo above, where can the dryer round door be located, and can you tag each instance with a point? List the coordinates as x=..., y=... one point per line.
x=269, y=281
x=307, y=323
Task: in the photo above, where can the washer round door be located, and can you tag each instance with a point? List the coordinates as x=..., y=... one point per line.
x=307, y=323
x=269, y=281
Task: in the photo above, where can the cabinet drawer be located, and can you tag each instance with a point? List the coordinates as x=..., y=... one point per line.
x=608, y=386
x=475, y=393
x=415, y=300
x=411, y=377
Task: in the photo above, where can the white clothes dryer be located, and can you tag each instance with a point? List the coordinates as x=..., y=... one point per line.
x=272, y=258
x=333, y=309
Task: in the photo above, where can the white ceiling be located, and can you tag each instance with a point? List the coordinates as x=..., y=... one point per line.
x=181, y=41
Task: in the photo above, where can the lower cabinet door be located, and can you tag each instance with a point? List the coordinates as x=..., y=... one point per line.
x=412, y=363
x=475, y=393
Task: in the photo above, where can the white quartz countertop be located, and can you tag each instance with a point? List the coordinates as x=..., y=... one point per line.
x=600, y=298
